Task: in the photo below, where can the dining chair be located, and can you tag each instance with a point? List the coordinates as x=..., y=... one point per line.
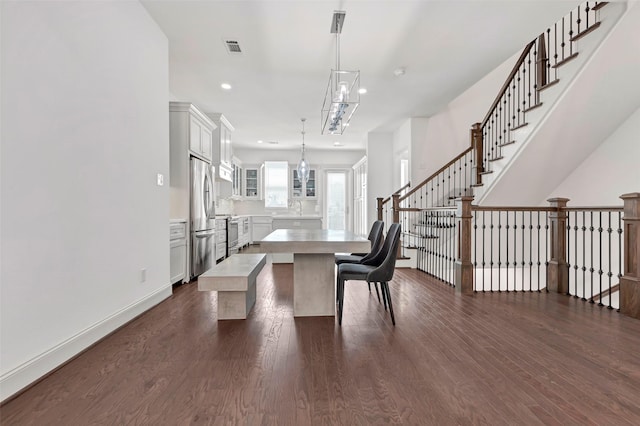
x=377, y=239
x=375, y=236
x=378, y=269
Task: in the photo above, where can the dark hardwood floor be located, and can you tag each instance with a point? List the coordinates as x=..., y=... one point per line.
x=497, y=359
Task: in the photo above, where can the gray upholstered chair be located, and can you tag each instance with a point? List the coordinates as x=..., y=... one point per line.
x=375, y=236
x=378, y=269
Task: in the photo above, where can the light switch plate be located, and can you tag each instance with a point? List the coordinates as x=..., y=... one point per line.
x=160, y=179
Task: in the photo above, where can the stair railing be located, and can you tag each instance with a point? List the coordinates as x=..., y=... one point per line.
x=535, y=71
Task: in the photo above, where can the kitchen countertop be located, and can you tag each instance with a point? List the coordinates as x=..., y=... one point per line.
x=177, y=220
x=295, y=216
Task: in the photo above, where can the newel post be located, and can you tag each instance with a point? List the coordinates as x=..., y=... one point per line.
x=463, y=268
x=630, y=281
x=396, y=208
x=557, y=271
x=396, y=216
x=476, y=144
x=379, y=208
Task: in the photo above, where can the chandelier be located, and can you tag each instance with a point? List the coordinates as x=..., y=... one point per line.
x=303, y=167
x=342, y=96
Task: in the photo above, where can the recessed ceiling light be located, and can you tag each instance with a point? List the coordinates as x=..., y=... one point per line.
x=260, y=141
x=399, y=71
x=337, y=144
x=226, y=86
x=362, y=90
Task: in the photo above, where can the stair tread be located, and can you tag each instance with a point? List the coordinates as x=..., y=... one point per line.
x=497, y=158
x=549, y=84
x=585, y=32
x=505, y=144
x=565, y=60
x=519, y=126
x=539, y=104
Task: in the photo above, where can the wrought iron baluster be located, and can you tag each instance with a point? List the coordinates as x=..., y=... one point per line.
x=522, y=263
x=568, y=254
x=619, y=249
x=609, y=273
x=546, y=247
x=600, y=271
x=591, y=269
x=584, y=254
x=484, y=248
x=570, y=33
x=575, y=252
x=491, y=254
x=499, y=251
x=530, y=251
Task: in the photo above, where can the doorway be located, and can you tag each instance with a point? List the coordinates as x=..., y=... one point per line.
x=336, y=207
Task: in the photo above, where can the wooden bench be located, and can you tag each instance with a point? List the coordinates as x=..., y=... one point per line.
x=235, y=281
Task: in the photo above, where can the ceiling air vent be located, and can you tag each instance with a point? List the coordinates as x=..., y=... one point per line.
x=232, y=46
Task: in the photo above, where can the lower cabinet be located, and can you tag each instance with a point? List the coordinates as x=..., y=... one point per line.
x=260, y=227
x=177, y=251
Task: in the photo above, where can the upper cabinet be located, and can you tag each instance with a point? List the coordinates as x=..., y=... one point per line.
x=252, y=182
x=236, y=183
x=222, y=152
x=306, y=190
x=191, y=125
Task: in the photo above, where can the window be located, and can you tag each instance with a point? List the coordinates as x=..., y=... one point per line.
x=276, y=184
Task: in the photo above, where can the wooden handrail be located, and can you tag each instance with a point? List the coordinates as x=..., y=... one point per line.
x=507, y=83
x=440, y=170
x=386, y=200
x=406, y=185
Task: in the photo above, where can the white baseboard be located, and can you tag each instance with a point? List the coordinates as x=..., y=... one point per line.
x=25, y=374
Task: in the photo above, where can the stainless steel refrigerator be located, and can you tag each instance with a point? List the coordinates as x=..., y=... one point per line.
x=202, y=217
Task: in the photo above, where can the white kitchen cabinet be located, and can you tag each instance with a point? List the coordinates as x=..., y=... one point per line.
x=222, y=149
x=252, y=183
x=236, y=183
x=307, y=190
x=200, y=137
x=260, y=227
x=244, y=231
x=177, y=251
x=191, y=129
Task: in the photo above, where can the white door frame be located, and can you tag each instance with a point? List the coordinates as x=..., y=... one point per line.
x=348, y=195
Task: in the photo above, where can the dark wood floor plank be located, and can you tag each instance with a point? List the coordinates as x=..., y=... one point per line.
x=489, y=358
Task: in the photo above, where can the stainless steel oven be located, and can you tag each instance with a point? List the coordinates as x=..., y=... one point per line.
x=232, y=237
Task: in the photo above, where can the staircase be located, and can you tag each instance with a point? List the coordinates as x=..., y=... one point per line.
x=535, y=127
x=555, y=139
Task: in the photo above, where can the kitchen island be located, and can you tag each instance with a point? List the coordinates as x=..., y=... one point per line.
x=313, y=264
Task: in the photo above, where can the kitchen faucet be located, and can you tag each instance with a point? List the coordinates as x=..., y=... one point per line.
x=292, y=203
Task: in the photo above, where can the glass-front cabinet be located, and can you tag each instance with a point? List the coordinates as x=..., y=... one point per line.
x=300, y=190
x=252, y=183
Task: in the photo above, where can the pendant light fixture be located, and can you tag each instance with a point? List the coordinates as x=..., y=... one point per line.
x=303, y=167
x=342, y=96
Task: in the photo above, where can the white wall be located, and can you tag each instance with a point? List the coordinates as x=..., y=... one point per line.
x=379, y=183
x=84, y=131
x=610, y=171
x=443, y=136
x=401, y=150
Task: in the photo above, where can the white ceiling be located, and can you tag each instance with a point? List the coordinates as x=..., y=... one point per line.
x=288, y=51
